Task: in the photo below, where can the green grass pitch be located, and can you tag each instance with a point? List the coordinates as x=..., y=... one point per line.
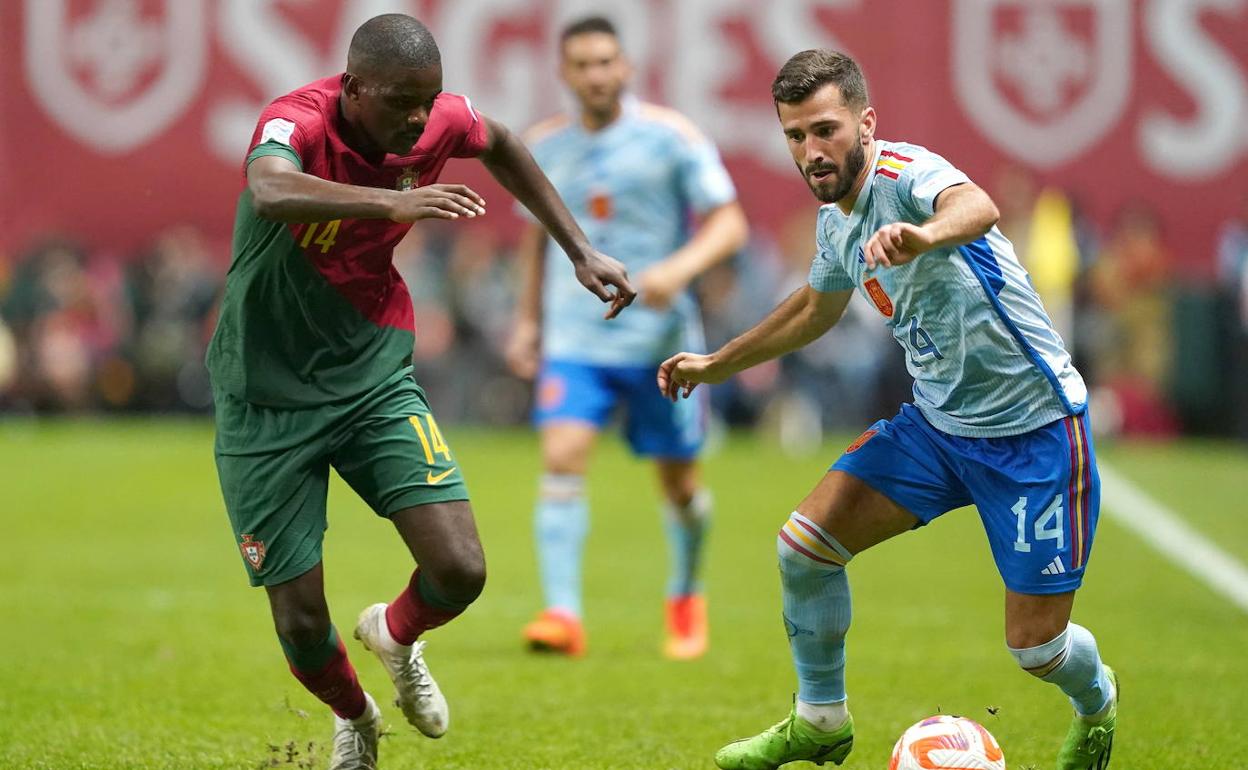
x=131, y=640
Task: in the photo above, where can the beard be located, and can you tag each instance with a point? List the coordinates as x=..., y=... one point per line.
x=846, y=173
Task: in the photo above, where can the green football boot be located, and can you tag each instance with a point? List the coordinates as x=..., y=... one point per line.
x=790, y=740
x=1088, y=746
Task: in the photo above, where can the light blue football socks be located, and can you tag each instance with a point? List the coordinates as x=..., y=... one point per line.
x=561, y=524
x=1070, y=661
x=686, y=533
x=816, y=608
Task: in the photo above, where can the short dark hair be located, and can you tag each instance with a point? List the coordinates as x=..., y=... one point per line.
x=587, y=25
x=808, y=71
x=392, y=39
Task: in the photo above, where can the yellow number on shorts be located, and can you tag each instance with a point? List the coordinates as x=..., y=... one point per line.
x=329, y=234
x=431, y=441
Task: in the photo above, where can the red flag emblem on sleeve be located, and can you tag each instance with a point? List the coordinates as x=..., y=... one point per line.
x=858, y=442
x=876, y=292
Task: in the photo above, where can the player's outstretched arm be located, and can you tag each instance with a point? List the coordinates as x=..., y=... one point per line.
x=963, y=212
x=524, y=346
x=799, y=320
x=509, y=161
x=282, y=193
x=721, y=233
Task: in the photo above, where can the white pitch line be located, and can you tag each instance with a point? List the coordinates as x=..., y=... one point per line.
x=1131, y=507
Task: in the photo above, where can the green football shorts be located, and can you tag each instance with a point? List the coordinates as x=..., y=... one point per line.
x=273, y=465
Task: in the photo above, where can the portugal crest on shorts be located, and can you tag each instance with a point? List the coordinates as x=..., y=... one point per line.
x=1044, y=81
x=253, y=551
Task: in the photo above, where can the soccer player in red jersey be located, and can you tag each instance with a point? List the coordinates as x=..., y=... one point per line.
x=311, y=359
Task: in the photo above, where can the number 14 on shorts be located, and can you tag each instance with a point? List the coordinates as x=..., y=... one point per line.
x=432, y=442
x=1048, y=525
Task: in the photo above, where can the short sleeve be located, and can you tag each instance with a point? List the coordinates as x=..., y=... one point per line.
x=704, y=180
x=457, y=129
x=925, y=178
x=827, y=274
x=292, y=128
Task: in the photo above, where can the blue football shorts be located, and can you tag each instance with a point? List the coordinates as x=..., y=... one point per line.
x=653, y=425
x=1038, y=493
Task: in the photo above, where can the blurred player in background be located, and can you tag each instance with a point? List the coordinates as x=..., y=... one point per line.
x=999, y=418
x=633, y=174
x=311, y=360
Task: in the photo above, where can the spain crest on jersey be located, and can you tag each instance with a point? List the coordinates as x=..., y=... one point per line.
x=115, y=75
x=253, y=551
x=879, y=297
x=1043, y=81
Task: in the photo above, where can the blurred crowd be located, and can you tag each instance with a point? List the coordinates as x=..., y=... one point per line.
x=85, y=331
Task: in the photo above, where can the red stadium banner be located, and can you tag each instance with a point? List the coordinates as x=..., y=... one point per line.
x=121, y=117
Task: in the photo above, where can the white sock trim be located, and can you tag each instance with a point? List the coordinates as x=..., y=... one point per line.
x=371, y=712
x=561, y=486
x=389, y=642
x=824, y=716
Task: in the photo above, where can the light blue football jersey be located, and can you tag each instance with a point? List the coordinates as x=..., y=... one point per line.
x=632, y=186
x=985, y=358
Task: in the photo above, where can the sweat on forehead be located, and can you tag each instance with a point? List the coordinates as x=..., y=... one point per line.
x=392, y=42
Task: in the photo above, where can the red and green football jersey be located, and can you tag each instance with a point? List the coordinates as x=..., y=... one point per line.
x=315, y=313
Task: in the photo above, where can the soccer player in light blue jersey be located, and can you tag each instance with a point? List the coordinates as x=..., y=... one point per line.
x=999, y=418
x=633, y=174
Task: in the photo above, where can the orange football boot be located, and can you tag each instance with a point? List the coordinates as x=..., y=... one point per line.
x=687, y=628
x=556, y=631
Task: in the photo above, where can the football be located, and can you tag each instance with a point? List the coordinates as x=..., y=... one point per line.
x=947, y=743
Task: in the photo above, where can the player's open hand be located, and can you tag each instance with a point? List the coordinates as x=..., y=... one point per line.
x=437, y=201
x=895, y=244
x=598, y=271
x=683, y=372
x=523, y=351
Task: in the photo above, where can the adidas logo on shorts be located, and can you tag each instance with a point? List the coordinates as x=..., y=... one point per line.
x=1055, y=567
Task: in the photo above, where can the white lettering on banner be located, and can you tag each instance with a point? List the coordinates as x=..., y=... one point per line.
x=981, y=52
x=256, y=35
x=699, y=72
x=92, y=72
x=1217, y=132
x=505, y=78
x=116, y=46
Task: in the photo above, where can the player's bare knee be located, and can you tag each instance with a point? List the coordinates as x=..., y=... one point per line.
x=460, y=579
x=565, y=463
x=301, y=626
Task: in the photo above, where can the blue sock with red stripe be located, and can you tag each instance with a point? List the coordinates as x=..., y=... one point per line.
x=816, y=607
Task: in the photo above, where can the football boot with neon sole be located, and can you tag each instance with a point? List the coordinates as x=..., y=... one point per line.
x=415, y=691
x=1088, y=746
x=791, y=740
x=556, y=631
x=687, y=629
